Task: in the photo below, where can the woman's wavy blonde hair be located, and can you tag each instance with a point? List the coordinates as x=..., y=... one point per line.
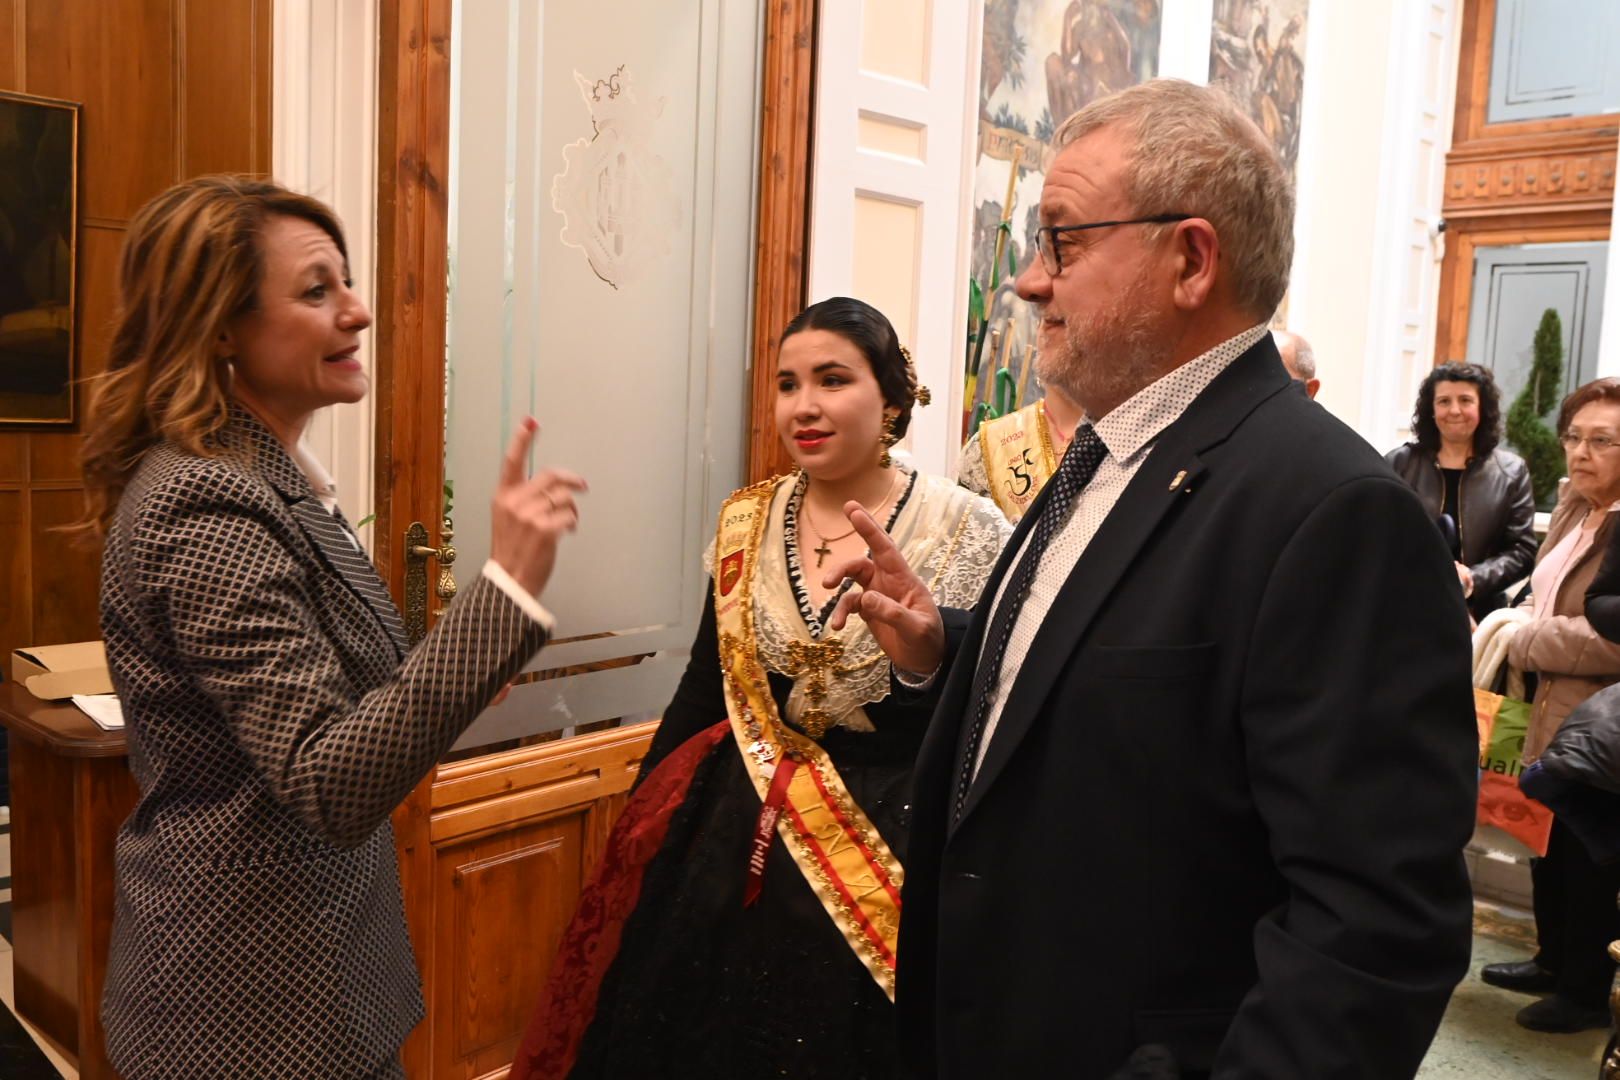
x=192, y=262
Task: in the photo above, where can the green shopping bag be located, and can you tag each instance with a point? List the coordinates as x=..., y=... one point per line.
x=1503, y=722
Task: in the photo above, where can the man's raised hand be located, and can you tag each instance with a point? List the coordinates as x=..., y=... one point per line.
x=892, y=600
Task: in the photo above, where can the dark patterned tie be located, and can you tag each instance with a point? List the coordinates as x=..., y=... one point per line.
x=1080, y=463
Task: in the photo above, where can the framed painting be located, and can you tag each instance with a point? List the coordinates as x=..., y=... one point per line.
x=39, y=179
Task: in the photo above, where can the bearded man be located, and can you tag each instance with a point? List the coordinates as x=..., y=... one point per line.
x=1202, y=767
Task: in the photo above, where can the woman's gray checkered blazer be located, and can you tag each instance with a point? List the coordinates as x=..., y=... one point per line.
x=275, y=718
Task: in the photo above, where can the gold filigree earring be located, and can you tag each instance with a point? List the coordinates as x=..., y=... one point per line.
x=886, y=440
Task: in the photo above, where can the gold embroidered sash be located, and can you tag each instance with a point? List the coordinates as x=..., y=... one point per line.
x=847, y=864
x=1019, y=457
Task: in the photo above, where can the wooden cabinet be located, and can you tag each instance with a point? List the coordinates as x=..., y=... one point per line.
x=493, y=864
x=70, y=791
x=493, y=852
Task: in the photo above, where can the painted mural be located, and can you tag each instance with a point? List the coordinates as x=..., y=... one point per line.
x=1043, y=59
x=1256, y=51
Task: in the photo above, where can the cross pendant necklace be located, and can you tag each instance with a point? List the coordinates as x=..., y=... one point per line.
x=823, y=551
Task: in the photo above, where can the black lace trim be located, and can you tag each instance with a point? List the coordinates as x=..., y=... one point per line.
x=815, y=621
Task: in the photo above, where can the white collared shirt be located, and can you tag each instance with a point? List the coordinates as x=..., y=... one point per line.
x=1129, y=433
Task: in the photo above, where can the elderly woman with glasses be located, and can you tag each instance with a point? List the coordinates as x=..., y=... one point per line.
x=1574, y=897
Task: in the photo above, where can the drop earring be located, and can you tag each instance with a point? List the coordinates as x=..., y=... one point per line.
x=886, y=440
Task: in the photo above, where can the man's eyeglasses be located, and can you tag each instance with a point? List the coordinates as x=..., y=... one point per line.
x=1598, y=443
x=1046, y=237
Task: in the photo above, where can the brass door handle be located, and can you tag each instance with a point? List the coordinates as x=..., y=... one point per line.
x=417, y=554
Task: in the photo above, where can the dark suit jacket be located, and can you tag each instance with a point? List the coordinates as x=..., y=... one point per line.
x=1225, y=806
x=275, y=719
x=1603, y=595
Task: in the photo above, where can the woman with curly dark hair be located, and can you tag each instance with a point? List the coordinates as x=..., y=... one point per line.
x=1478, y=493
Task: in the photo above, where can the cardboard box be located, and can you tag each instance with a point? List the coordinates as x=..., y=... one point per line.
x=54, y=672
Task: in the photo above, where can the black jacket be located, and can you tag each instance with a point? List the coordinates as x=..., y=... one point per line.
x=1225, y=805
x=1603, y=595
x=1498, y=516
x=1578, y=775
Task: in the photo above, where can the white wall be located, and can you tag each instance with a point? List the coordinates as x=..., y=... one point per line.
x=896, y=105
x=1380, y=79
x=324, y=143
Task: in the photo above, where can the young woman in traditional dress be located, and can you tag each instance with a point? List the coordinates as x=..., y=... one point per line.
x=742, y=921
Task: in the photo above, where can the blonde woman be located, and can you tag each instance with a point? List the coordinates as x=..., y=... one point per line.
x=275, y=712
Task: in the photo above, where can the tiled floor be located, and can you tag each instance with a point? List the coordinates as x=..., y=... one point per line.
x=1478, y=1039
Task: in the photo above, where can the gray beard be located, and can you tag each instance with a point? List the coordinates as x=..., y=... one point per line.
x=1108, y=359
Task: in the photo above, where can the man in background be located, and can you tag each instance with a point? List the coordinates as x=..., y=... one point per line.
x=1299, y=359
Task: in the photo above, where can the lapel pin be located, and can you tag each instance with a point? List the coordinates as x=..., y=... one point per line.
x=1180, y=476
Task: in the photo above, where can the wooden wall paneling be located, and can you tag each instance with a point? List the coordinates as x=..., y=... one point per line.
x=119, y=60
x=169, y=88
x=781, y=247
x=65, y=582
x=55, y=454
x=16, y=615
x=104, y=793
x=100, y=249
x=42, y=903
x=10, y=44
x=13, y=460
x=224, y=56
x=1565, y=172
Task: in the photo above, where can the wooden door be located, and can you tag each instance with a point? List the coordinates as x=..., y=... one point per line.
x=495, y=847
x=1532, y=161
x=1513, y=285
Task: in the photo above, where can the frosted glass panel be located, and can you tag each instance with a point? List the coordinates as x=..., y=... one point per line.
x=601, y=184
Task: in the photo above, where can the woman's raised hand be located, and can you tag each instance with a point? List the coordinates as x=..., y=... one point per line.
x=893, y=600
x=529, y=514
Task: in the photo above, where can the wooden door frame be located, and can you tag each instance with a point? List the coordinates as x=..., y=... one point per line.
x=1457, y=268
x=413, y=172
x=781, y=248
x=1474, y=88
x=414, y=81
x=1526, y=182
